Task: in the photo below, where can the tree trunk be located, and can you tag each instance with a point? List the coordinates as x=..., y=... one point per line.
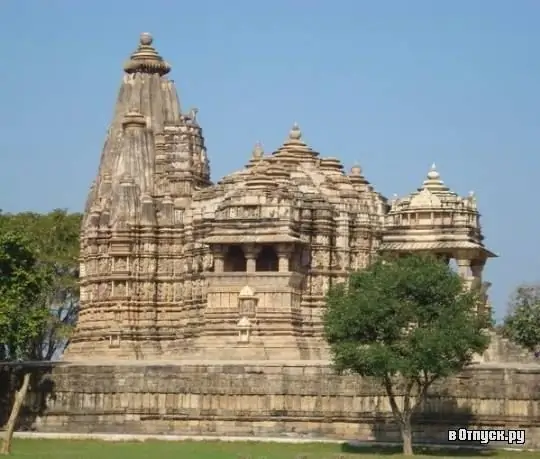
x=14, y=415
x=406, y=436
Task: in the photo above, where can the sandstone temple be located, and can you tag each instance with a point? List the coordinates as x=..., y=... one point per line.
x=201, y=303
x=174, y=266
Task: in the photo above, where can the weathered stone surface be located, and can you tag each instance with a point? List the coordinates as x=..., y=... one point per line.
x=270, y=399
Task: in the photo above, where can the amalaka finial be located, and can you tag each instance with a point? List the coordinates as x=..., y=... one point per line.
x=433, y=174
x=356, y=169
x=295, y=133
x=146, y=39
x=146, y=59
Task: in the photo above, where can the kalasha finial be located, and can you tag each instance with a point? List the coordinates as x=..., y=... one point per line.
x=146, y=39
x=295, y=133
x=146, y=59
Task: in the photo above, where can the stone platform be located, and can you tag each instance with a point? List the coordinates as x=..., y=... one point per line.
x=293, y=399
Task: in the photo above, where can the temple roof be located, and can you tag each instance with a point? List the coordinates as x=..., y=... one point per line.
x=295, y=165
x=433, y=194
x=294, y=148
x=434, y=218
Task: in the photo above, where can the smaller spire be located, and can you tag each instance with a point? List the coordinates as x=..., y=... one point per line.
x=433, y=174
x=258, y=151
x=294, y=149
x=193, y=112
x=356, y=170
x=146, y=59
x=433, y=181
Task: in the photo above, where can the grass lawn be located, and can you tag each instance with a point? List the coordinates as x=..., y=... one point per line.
x=82, y=449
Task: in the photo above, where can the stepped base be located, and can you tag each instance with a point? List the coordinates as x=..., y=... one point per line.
x=258, y=348
x=503, y=350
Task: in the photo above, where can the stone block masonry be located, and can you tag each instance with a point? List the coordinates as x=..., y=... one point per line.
x=272, y=399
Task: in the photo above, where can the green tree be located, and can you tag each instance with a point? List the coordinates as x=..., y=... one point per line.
x=54, y=237
x=522, y=324
x=406, y=321
x=24, y=282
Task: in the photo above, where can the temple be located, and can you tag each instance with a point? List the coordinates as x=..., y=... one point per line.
x=176, y=267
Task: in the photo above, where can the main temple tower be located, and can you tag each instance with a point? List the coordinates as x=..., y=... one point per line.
x=153, y=158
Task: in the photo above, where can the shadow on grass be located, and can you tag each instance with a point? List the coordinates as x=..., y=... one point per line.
x=430, y=422
x=426, y=450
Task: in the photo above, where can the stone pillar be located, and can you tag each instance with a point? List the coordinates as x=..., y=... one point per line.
x=218, y=259
x=284, y=252
x=464, y=269
x=477, y=268
x=218, y=263
x=251, y=251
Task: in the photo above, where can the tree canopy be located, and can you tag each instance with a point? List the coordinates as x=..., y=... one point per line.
x=406, y=319
x=23, y=284
x=53, y=238
x=522, y=324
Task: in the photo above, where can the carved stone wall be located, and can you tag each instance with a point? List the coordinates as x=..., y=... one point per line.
x=272, y=399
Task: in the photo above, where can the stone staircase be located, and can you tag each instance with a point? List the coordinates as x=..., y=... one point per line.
x=502, y=350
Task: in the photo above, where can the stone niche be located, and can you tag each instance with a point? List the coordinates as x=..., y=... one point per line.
x=247, y=309
x=247, y=302
x=244, y=330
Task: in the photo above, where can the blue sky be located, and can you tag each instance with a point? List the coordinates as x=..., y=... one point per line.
x=394, y=85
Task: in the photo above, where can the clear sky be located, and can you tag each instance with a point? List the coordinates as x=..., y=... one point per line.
x=392, y=84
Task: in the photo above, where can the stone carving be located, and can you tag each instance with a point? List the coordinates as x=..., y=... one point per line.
x=247, y=302
x=119, y=289
x=104, y=290
x=244, y=329
x=317, y=285
x=103, y=265
x=285, y=212
x=148, y=290
x=207, y=261
x=120, y=264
